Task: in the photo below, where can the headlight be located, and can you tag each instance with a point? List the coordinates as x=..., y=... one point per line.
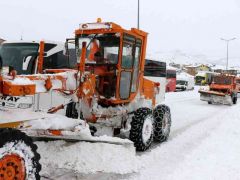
x=24, y=105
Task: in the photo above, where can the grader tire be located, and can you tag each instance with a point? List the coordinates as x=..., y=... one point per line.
x=162, y=123
x=18, y=156
x=141, y=132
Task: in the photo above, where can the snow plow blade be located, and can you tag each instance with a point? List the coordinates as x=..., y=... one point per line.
x=43, y=135
x=40, y=125
x=215, y=97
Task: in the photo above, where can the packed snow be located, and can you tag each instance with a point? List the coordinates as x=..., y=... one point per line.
x=203, y=144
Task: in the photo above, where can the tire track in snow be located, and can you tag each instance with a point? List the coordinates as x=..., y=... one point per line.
x=166, y=157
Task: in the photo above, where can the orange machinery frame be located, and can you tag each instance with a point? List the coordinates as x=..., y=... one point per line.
x=145, y=87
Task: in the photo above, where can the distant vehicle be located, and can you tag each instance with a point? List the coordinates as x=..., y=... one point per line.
x=171, y=80
x=185, y=82
x=23, y=56
x=204, y=77
x=156, y=71
x=222, y=90
x=238, y=83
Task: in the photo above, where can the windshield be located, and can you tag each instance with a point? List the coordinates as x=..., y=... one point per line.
x=222, y=80
x=14, y=54
x=199, y=78
x=181, y=82
x=101, y=48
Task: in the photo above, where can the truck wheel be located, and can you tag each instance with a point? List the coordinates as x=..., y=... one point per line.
x=209, y=102
x=18, y=156
x=141, y=132
x=162, y=123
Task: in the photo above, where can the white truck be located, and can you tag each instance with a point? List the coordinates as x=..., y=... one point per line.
x=184, y=81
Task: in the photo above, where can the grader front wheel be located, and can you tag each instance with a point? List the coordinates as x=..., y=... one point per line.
x=18, y=156
x=141, y=132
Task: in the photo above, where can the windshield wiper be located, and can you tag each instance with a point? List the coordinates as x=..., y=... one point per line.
x=91, y=40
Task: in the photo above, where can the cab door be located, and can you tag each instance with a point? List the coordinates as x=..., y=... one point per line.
x=129, y=66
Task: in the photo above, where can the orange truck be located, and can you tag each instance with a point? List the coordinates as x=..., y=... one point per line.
x=222, y=90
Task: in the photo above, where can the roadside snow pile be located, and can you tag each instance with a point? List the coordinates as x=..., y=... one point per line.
x=85, y=157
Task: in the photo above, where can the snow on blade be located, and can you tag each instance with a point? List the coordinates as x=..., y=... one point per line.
x=85, y=157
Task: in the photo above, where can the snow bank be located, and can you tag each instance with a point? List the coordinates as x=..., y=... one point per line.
x=85, y=157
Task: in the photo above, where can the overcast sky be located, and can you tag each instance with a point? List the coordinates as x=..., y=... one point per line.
x=193, y=26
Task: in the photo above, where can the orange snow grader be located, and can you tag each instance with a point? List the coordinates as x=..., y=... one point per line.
x=106, y=94
x=222, y=90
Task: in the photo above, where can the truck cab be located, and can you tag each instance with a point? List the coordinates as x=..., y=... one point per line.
x=24, y=56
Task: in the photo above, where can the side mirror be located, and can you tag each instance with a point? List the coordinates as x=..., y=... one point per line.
x=65, y=50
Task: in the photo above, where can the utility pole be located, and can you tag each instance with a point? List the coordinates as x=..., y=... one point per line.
x=138, y=15
x=227, y=41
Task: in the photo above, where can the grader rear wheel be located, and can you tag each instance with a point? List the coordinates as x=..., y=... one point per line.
x=162, y=123
x=18, y=156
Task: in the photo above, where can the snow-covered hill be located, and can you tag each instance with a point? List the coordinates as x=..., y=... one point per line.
x=180, y=57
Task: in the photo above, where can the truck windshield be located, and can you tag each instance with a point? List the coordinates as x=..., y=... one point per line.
x=222, y=80
x=101, y=48
x=14, y=54
x=200, y=78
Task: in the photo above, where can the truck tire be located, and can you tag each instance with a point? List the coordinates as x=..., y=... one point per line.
x=18, y=156
x=162, y=123
x=141, y=132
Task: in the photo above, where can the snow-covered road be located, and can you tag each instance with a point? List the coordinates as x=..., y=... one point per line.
x=203, y=144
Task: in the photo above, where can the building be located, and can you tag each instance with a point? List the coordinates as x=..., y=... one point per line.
x=222, y=69
x=194, y=69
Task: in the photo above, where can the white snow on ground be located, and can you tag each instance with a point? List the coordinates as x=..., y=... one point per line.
x=203, y=144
